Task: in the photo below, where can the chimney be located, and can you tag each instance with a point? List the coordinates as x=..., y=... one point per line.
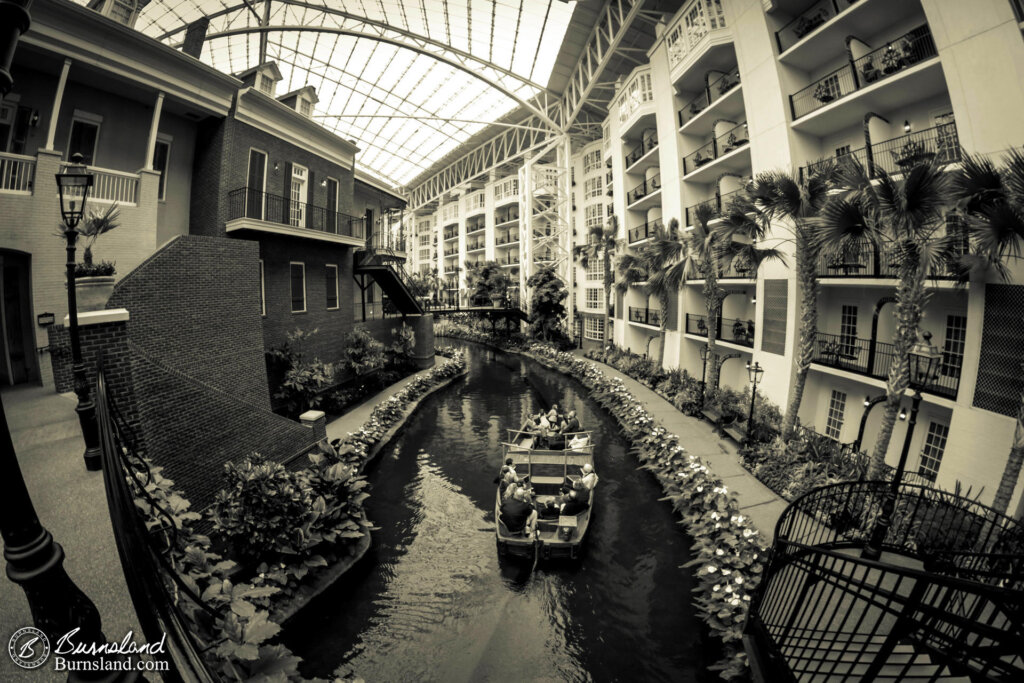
x=195, y=36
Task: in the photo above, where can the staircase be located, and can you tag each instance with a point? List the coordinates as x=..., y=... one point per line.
x=944, y=602
x=388, y=270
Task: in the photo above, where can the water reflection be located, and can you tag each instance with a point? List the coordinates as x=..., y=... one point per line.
x=431, y=602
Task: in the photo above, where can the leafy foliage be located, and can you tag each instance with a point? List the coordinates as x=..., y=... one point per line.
x=101, y=269
x=486, y=279
x=547, y=312
x=362, y=353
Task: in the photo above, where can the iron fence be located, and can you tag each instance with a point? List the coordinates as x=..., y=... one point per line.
x=807, y=21
x=647, y=143
x=645, y=316
x=705, y=154
x=643, y=189
x=246, y=202
x=642, y=232
x=714, y=91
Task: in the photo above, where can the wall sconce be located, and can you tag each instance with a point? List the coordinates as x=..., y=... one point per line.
x=906, y=126
x=277, y=167
x=867, y=401
x=903, y=413
x=33, y=119
x=323, y=183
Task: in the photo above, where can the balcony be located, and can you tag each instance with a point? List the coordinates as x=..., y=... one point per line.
x=251, y=209
x=475, y=246
x=452, y=250
x=509, y=238
x=506, y=215
x=645, y=316
x=732, y=140
x=941, y=602
x=473, y=226
x=940, y=144
x=17, y=173
x=889, y=60
x=718, y=204
x=808, y=21
x=716, y=90
x=636, y=101
x=645, y=190
x=648, y=144
x=873, y=358
x=729, y=330
x=865, y=260
x=642, y=232
x=510, y=260
x=699, y=28
x=451, y=232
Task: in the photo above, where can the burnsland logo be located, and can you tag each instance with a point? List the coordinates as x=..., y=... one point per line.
x=29, y=647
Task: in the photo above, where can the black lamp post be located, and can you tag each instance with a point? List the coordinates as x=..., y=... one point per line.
x=705, y=352
x=755, y=372
x=924, y=366
x=869, y=403
x=74, y=184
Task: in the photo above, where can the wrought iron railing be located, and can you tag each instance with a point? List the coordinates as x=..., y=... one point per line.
x=510, y=260
x=645, y=316
x=246, y=202
x=385, y=239
x=939, y=144
x=865, y=259
x=452, y=250
x=732, y=330
x=506, y=214
x=475, y=245
x=718, y=203
x=642, y=232
x=647, y=143
x=510, y=237
x=645, y=188
x=155, y=588
x=714, y=90
x=808, y=20
x=902, y=53
x=475, y=225
x=17, y=172
x=823, y=611
x=705, y=154
x=451, y=232
x=874, y=358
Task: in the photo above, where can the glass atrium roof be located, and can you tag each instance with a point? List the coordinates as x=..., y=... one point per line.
x=386, y=71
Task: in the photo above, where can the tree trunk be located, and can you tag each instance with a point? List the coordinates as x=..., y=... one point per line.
x=1011, y=473
x=807, y=282
x=607, y=295
x=911, y=297
x=713, y=304
x=663, y=301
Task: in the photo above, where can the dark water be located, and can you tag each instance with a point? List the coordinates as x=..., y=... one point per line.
x=432, y=602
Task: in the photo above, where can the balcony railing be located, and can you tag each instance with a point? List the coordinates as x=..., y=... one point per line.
x=808, y=20
x=510, y=260
x=942, y=603
x=637, y=92
x=940, y=145
x=508, y=238
x=715, y=90
x=874, y=358
x=246, y=202
x=648, y=143
x=729, y=141
x=112, y=186
x=865, y=260
x=718, y=203
x=475, y=226
x=451, y=251
x=386, y=240
x=902, y=53
x=451, y=232
x=645, y=316
x=474, y=246
x=645, y=188
x=642, y=232
x=506, y=215
x=733, y=330
x=17, y=173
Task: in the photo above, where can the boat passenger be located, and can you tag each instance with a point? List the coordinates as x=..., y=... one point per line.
x=572, y=425
x=589, y=478
x=549, y=510
x=511, y=484
x=553, y=414
x=574, y=505
x=517, y=515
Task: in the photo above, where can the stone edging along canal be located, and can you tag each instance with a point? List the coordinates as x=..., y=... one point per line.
x=306, y=593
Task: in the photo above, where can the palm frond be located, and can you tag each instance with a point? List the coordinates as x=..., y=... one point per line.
x=1013, y=175
x=998, y=230
x=977, y=183
x=840, y=223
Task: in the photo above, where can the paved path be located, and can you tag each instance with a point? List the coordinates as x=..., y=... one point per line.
x=698, y=437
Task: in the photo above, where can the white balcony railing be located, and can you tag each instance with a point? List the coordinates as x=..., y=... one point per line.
x=475, y=201
x=108, y=185
x=699, y=18
x=638, y=91
x=17, y=173
x=509, y=187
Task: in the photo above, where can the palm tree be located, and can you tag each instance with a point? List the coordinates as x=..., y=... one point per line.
x=781, y=204
x=992, y=203
x=602, y=241
x=904, y=219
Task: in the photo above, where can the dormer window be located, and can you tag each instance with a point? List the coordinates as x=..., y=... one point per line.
x=305, y=107
x=266, y=84
x=122, y=11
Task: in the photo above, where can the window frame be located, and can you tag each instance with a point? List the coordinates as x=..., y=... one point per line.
x=297, y=207
x=291, y=285
x=835, y=417
x=165, y=140
x=593, y=325
x=262, y=190
x=337, y=289
x=89, y=119
x=937, y=442
x=260, y=78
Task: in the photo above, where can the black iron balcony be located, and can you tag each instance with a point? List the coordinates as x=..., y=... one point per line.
x=648, y=143
x=508, y=238
x=475, y=246
x=506, y=214
x=475, y=225
x=452, y=250
x=510, y=260
x=732, y=330
x=246, y=202
x=940, y=144
x=718, y=204
x=451, y=232
x=865, y=260
x=808, y=20
x=645, y=188
x=902, y=53
x=729, y=141
x=942, y=603
x=645, y=316
x=874, y=358
x=715, y=90
x=642, y=232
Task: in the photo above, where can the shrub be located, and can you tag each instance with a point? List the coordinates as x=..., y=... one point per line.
x=362, y=352
x=103, y=268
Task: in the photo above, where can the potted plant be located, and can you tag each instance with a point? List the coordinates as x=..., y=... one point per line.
x=824, y=93
x=94, y=281
x=892, y=59
x=869, y=71
x=739, y=331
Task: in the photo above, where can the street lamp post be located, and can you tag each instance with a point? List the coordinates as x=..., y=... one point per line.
x=704, y=353
x=74, y=184
x=755, y=372
x=924, y=365
x=869, y=403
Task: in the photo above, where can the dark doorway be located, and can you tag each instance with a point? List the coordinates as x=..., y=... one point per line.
x=17, y=344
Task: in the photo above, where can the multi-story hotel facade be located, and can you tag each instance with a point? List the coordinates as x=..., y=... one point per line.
x=731, y=88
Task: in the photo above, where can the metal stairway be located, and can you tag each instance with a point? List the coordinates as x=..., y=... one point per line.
x=386, y=267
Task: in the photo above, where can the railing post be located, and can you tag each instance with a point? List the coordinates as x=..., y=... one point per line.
x=897, y=631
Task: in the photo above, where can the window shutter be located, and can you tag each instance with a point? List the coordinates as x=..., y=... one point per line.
x=773, y=320
x=286, y=194
x=312, y=221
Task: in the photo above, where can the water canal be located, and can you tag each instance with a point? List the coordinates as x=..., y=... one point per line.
x=432, y=602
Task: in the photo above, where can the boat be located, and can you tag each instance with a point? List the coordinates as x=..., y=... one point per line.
x=548, y=470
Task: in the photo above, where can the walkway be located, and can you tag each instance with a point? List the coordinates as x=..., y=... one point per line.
x=698, y=437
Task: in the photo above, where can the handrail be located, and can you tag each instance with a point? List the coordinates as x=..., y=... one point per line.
x=645, y=188
x=143, y=566
x=246, y=202
x=642, y=232
x=647, y=144
x=805, y=22
x=722, y=85
x=17, y=172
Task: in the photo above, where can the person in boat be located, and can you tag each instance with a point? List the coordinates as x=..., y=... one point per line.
x=553, y=414
x=589, y=478
x=572, y=425
x=550, y=510
x=512, y=482
x=574, y=505
x=517, y=515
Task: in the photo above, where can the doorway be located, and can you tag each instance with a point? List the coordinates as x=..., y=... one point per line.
x=17, y=342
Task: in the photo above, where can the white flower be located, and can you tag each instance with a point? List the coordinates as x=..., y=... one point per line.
x=699, y=489
x=711, y=569
x=734, y=602
x=739, y=579
x=715, y=588
x=719, y=552
x=726, y=572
